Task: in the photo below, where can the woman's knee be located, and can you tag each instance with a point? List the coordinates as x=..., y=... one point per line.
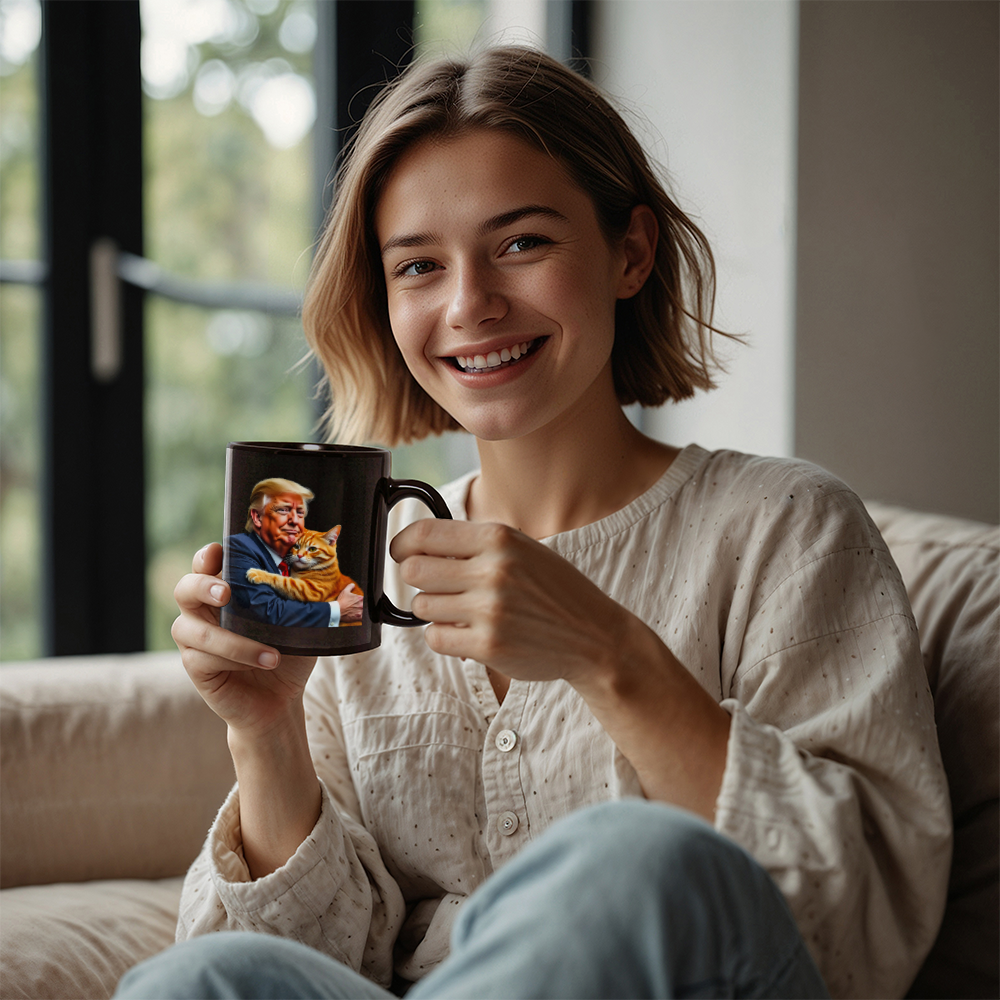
x=652, y=839
x=635, y=859
x=236, y=964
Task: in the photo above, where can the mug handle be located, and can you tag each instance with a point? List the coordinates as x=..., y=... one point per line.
x=401, y=489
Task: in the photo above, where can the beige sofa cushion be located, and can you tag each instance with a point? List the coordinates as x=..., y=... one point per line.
x=75, y=941
x=112, y=768
x=951, y=568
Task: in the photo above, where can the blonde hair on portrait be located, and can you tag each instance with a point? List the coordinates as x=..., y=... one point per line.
x=268, y=488
x=662, y=347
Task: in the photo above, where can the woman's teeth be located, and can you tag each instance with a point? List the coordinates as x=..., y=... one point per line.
x=487, y=362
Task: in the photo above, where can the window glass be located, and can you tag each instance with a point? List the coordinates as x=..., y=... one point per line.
x=229, y=198
x=21, y=555
x=447, y=25
x=221, y=375
x=443, y=27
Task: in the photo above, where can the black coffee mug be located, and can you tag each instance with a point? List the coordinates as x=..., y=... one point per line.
x=305, y=544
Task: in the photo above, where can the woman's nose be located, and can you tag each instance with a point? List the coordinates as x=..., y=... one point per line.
x=475, y=300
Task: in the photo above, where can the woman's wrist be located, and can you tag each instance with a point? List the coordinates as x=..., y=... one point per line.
x=280, y=797
x=672, y=731
x=613, y=669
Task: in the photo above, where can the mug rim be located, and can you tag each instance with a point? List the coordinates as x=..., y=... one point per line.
x=309, y=447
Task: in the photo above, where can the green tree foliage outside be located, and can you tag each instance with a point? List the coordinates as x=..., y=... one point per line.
x=20, y=318
x=223, y=203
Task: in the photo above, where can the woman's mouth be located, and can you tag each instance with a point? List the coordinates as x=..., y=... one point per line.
x=475, y=364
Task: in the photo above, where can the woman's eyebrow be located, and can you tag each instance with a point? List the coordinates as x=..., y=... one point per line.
x=490, y=225
x=516, y=215
x=407, y=240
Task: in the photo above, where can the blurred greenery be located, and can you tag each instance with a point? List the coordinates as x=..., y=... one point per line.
x=222, y=203
x=20, y=453
x=444, y=27
x=20, y=317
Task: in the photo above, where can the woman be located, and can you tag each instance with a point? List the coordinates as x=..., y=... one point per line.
x=613, y=619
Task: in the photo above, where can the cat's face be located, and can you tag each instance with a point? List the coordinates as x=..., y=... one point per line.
x=314, y=550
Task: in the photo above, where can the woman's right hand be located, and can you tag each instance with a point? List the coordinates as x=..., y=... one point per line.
x=259, y=695
x=249, y=685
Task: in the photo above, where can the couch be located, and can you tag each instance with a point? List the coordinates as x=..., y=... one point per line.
x=112, y=769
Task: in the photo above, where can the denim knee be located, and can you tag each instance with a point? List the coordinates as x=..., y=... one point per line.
x=240, y=965
x=645, y=840
x=668, y=855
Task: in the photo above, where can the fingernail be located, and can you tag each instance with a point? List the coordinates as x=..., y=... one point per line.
x=218, y=592
x=268, y=660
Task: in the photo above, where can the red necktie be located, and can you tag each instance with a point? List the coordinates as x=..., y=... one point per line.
x=283, y=566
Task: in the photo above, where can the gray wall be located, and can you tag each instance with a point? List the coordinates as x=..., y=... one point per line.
x=897, y=368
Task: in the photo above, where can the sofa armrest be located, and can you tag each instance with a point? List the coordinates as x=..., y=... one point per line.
x=112, y=767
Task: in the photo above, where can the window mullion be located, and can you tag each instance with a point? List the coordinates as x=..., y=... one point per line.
x=94, y=598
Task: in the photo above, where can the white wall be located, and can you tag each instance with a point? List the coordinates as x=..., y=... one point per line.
x=716, y=83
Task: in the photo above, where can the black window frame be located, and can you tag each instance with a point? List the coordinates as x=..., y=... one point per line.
x=94, y=280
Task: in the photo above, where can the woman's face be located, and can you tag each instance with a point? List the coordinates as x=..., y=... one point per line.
x=501, y=286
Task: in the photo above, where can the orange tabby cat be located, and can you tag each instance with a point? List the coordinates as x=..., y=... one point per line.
x=314, y=568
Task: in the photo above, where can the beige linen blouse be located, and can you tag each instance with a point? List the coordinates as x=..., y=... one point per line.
x=768, y=581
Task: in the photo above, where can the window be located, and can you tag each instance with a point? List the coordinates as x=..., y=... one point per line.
x=150, y=312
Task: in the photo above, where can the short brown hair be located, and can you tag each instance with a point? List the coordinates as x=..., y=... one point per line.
x=662, y=347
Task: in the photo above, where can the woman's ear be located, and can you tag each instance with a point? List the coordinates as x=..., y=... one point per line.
x=639, y=247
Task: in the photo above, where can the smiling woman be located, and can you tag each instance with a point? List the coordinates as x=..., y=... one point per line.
x=648, y=367
x=610, y=619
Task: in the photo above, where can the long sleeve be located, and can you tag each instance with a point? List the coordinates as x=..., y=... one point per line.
x=767, y=580
x=834, y=780
x=334, y=894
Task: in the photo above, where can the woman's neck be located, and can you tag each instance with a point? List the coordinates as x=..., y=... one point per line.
x=552, y=481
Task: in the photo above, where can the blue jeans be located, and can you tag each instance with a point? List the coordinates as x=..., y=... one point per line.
x=626, y=899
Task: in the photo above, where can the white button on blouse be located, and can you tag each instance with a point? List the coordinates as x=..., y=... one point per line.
x=507, y=823
x=506, y=740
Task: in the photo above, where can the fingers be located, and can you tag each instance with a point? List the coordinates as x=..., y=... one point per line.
x=454, y=539
x=196, y=590
x=452, y=609
x=208, y=559
x=437, y=575
x=208, y=648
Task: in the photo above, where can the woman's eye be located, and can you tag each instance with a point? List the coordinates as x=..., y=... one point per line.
x=415, y=268
x=524, y=243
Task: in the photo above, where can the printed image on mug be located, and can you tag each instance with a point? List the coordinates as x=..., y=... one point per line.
x=305, y=543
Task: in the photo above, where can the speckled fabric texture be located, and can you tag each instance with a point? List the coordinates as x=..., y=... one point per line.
x=769, y=582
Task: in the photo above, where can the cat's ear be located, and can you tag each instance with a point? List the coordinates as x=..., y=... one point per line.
x=332, y=535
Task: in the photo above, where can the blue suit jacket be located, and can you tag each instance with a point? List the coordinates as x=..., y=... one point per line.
x=258, y=600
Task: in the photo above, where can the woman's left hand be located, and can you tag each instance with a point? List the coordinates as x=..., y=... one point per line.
x=497, y=596
x=494, y=595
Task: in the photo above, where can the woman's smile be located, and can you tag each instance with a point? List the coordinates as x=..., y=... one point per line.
x=491, y=361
